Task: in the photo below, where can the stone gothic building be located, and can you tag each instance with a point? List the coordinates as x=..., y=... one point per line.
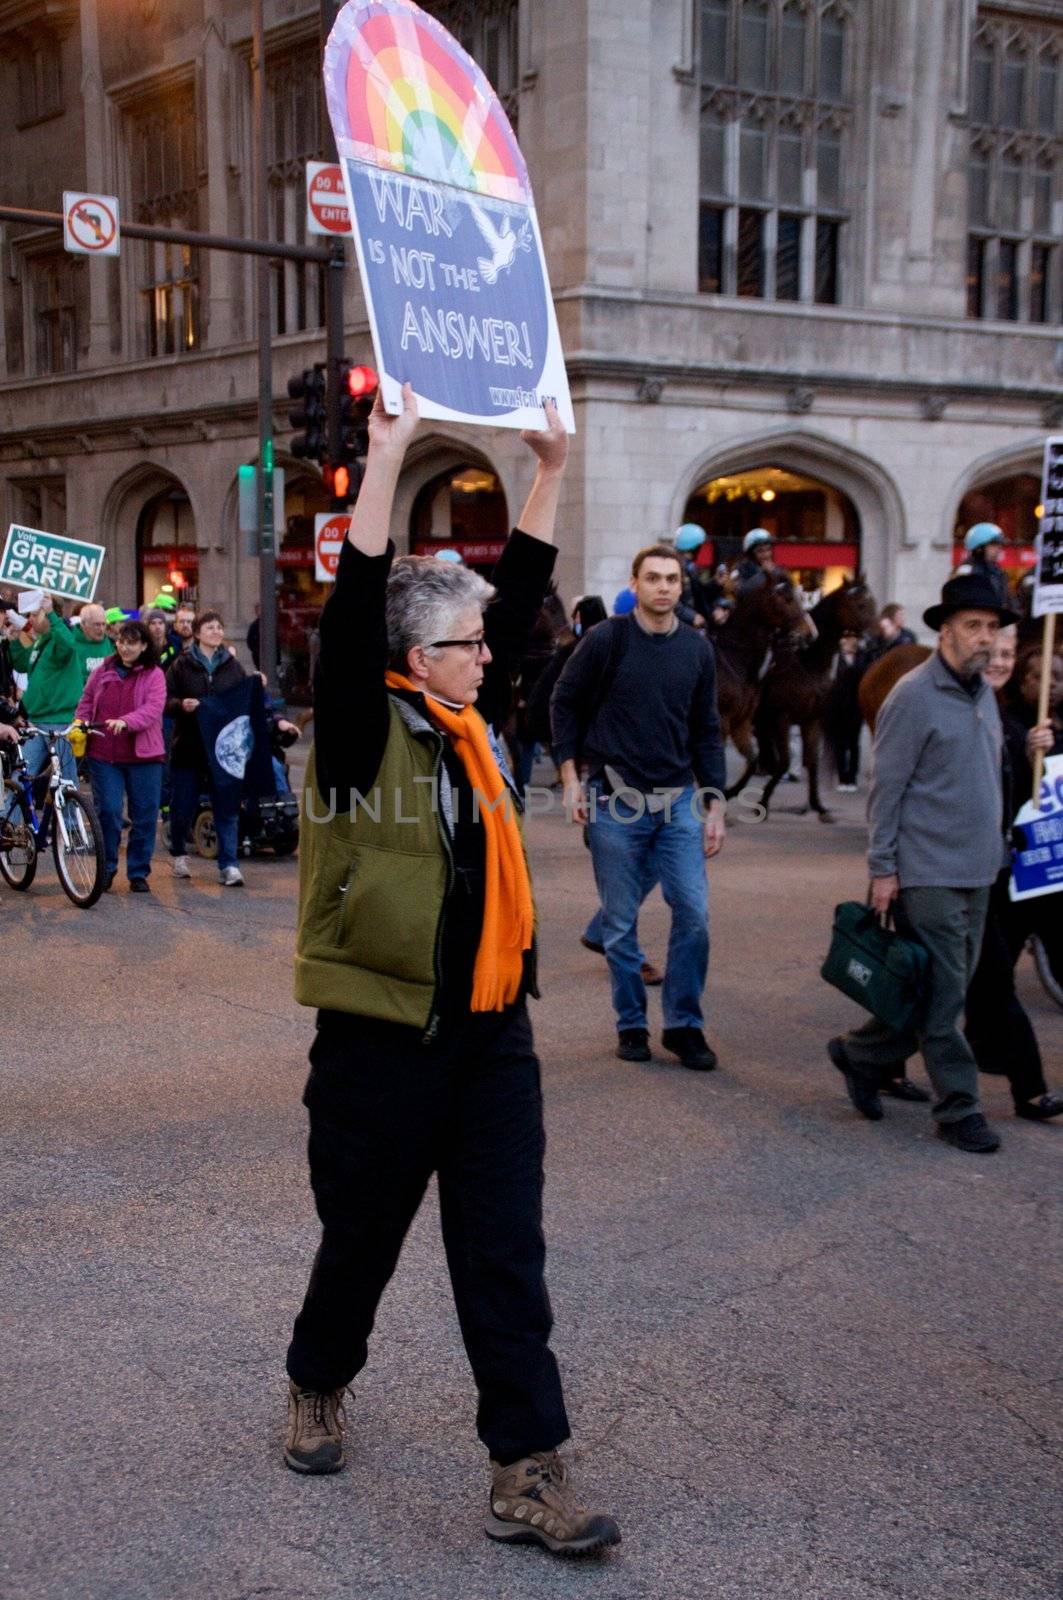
x=807, y=257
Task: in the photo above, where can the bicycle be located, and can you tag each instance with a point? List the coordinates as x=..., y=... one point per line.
x=58, y=813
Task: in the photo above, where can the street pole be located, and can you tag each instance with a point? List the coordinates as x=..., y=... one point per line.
x=333, y=272
x=267, y=559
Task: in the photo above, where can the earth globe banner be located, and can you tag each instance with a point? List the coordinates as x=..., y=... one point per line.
x=444, y=223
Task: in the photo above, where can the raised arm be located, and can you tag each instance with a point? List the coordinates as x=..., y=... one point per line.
x=388, y=441
x=550, y=444
x=351, y=715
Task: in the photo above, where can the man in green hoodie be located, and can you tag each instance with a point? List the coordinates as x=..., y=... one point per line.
x=90, y=639
x=48, y=652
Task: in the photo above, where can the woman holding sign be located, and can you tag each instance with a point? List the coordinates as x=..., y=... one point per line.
x=416, y=945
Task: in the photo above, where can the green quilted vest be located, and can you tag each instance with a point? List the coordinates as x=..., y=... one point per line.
x=372, y=884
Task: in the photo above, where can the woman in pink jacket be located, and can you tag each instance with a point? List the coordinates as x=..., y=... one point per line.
x=126, y=695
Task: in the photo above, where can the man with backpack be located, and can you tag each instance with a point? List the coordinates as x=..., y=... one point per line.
x=636, y=705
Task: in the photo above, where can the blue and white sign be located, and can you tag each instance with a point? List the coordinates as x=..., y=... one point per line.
x=459, y=300
x=1037, y=865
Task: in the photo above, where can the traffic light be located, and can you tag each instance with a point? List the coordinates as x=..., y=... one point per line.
x=307, y=389
x=337, y=480
x=358, y=387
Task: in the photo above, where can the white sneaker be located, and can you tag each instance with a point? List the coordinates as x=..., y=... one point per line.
x=180, y=867
x=232, y=878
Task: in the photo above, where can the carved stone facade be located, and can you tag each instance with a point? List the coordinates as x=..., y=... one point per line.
x=127, y=388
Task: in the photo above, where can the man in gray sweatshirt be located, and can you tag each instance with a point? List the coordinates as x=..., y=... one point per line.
x=936, y=845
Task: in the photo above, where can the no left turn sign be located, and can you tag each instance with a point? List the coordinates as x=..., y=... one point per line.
x=329, y=534
x=326, y=199
x=90, y=224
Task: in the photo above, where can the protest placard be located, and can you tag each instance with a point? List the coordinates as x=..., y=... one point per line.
x=1048, y=578
x=33, y=559
x=444, y=223
x=1037, y=858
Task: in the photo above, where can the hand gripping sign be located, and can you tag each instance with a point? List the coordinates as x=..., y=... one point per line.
x=444, y=223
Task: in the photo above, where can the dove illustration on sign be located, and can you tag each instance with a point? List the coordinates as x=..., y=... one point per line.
x=502, y=242
x=444, y=222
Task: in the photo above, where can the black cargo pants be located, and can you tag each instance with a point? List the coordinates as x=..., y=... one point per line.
x=386, y=1112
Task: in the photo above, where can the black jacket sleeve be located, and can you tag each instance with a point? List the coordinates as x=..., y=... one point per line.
x=521, y=579
x=351, y=715
x=574, y=691
x=706, y=734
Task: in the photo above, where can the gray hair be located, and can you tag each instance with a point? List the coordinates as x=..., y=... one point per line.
x=424, y=601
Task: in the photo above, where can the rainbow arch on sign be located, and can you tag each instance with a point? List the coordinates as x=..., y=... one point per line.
x=403, y=95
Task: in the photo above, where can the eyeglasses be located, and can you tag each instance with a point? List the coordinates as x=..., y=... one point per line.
x=479, y=645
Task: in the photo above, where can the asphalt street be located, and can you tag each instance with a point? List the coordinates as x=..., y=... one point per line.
x=806, y=1356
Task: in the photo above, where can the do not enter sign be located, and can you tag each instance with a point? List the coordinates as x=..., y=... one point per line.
x=330, y=530
x=326, y=199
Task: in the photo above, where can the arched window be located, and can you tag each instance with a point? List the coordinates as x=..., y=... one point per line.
x=775, y=114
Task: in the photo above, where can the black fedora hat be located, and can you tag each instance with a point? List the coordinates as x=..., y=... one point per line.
x=968, y=592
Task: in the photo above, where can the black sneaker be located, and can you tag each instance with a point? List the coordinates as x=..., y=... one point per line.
x=971, y=1133
x=1039, y=1110
x=902, y=1088
x=690, y=1046
x=633, y=1044
x=863, y=1090
x=139, y=886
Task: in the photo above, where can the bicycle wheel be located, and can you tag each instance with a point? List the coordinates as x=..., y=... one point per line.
x=1044, y=970
x=77, y=844
x=205, y=835
x=18, y=847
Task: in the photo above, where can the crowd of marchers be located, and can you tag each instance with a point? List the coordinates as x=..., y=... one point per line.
x=135, y=681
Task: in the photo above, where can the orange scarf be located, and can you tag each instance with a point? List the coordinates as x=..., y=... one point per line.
x=508, y=911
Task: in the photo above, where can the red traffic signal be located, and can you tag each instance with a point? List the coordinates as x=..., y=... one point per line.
x=362, y=382
x=337, y=481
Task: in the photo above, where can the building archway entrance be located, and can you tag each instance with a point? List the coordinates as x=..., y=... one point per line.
x=462, y=508
x=167, y=556
x=1012, y=503
x=816, y=527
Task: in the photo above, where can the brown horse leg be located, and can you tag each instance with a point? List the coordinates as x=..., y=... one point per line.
x=742, y=739
x=811, y=736
x=776, y=752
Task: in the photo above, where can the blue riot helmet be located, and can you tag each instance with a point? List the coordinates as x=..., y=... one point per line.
x=453, y=556
x=689, y=537
x=754, y=537
x=981, y=534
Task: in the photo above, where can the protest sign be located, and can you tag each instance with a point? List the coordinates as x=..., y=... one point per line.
x=1037, y=859
x=1048, y=580
x=33, y=559
x=444, y=223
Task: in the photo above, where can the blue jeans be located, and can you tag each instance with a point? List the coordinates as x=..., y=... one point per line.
x=114, y=783
x=35, y=751
x=628, y=851
x=593, y=931
x=186, y=786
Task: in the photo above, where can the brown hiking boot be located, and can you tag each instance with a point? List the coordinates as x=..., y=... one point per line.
x=314, y=1442
x=532, y=1503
